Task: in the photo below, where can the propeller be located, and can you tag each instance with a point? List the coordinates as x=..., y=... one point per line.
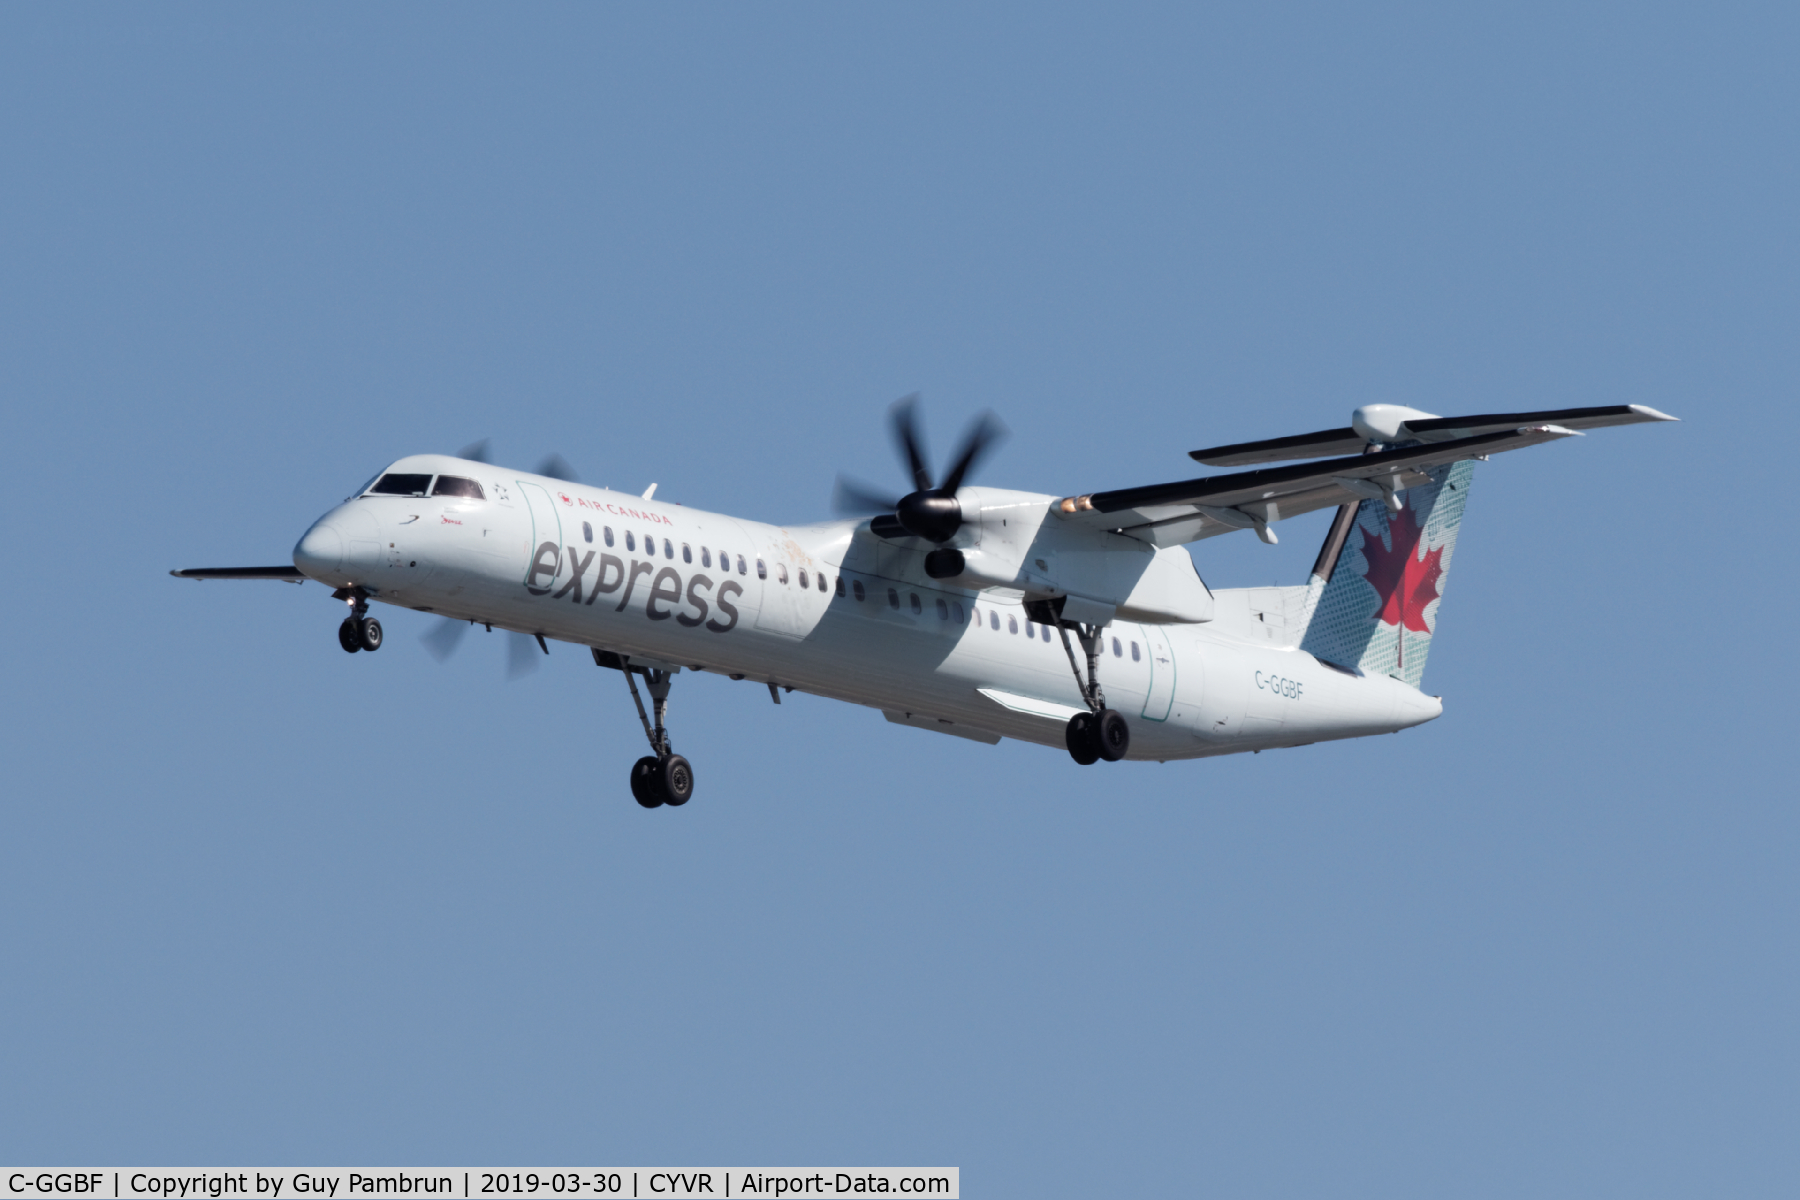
x=522, y=650
x=557, y=467
x=475, y=451
x=928, y=511
x=444, y=637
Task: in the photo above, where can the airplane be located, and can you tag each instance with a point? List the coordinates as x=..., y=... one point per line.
x=1079, y=622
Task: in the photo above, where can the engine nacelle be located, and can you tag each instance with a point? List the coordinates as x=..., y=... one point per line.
x=1011, y=540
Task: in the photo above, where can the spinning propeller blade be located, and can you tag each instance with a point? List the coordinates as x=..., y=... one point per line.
x=557, y=467
x=854, y=499
x=521, y=655
x=908, y=441
x=983, y=433
x=443, y=638
x=927, y=512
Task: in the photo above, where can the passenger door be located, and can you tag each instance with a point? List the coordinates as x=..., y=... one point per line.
x=1159, y=697
x=544, y=549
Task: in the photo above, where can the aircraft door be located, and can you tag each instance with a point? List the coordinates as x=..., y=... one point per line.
x=544, y=548
x=1159, y=698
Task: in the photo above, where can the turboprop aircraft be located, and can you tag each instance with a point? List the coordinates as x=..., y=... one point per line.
x=1079, y=622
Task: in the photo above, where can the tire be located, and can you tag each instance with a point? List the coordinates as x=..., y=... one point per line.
x=1112, y=734
x=646, y=782
x=370, y=634
x=349, y=636
x=1083, y=743
x=676, y=775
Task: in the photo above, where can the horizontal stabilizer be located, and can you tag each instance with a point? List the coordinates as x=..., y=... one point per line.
x=289, y=574
x=1327, y=443
x=1568, y=418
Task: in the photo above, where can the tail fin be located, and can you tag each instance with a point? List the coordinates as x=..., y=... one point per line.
x=1381, y=575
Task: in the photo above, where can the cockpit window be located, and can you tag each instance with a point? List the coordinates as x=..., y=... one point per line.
x=456, y=485
x=401, y=485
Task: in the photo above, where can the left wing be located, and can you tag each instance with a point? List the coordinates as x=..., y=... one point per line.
x=287, y=574
x=1168, y=514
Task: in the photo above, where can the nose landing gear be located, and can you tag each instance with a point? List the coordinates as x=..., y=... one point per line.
x=662, y=776
x=359, y=631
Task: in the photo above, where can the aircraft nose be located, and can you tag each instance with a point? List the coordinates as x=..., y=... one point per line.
x=341, y=548
x=320, y=553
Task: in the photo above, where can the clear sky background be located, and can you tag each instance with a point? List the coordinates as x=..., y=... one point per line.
x=263, y=902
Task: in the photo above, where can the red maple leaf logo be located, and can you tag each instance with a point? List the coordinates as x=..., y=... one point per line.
x=1405, y=581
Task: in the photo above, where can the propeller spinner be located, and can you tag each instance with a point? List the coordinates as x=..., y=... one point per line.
x=928, y=511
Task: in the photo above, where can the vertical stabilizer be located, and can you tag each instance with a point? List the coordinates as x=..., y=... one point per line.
x=1382, y=581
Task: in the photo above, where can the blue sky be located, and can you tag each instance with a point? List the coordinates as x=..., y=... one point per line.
x=268, y=903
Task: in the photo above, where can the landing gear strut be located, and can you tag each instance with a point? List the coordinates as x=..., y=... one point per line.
x=662, y=776
x=359, y=631
x=1101, y=732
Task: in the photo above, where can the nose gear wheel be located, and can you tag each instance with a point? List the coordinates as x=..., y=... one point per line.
x=359, y=630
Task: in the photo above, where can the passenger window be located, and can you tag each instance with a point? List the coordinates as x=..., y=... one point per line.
x=687, y=555
x=822, y=584
x=916, y=606
x=744, y=570
x=650, y=546
x=856, y=587
x=1134, y=652
x=1012, y=623
x=630, y=542
x=401, y=485
x=762, y=570
x=993, y=620
x=804, y=582
x=1117, y=651
x=1045, y=630
x=1030, y=629
x=893, y=599
x=957, y=604
x=606, y=532
x=668, y=548
x=943, y=611
x=587, y=532
x=456, y=485
x=840, y=588
x=781, y=573
x=705, y=557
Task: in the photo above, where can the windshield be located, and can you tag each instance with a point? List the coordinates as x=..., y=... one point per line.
x=401, y=485
x=456, y=485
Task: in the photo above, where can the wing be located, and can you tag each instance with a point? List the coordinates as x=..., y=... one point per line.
x=1168, y=514
x=289, y=574
x=1328, y=442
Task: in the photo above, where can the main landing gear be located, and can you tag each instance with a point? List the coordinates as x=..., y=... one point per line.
x=359, y=631
x=1101, y=732
x=662, y=776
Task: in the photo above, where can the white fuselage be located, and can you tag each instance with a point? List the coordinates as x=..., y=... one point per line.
x=827, y=609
